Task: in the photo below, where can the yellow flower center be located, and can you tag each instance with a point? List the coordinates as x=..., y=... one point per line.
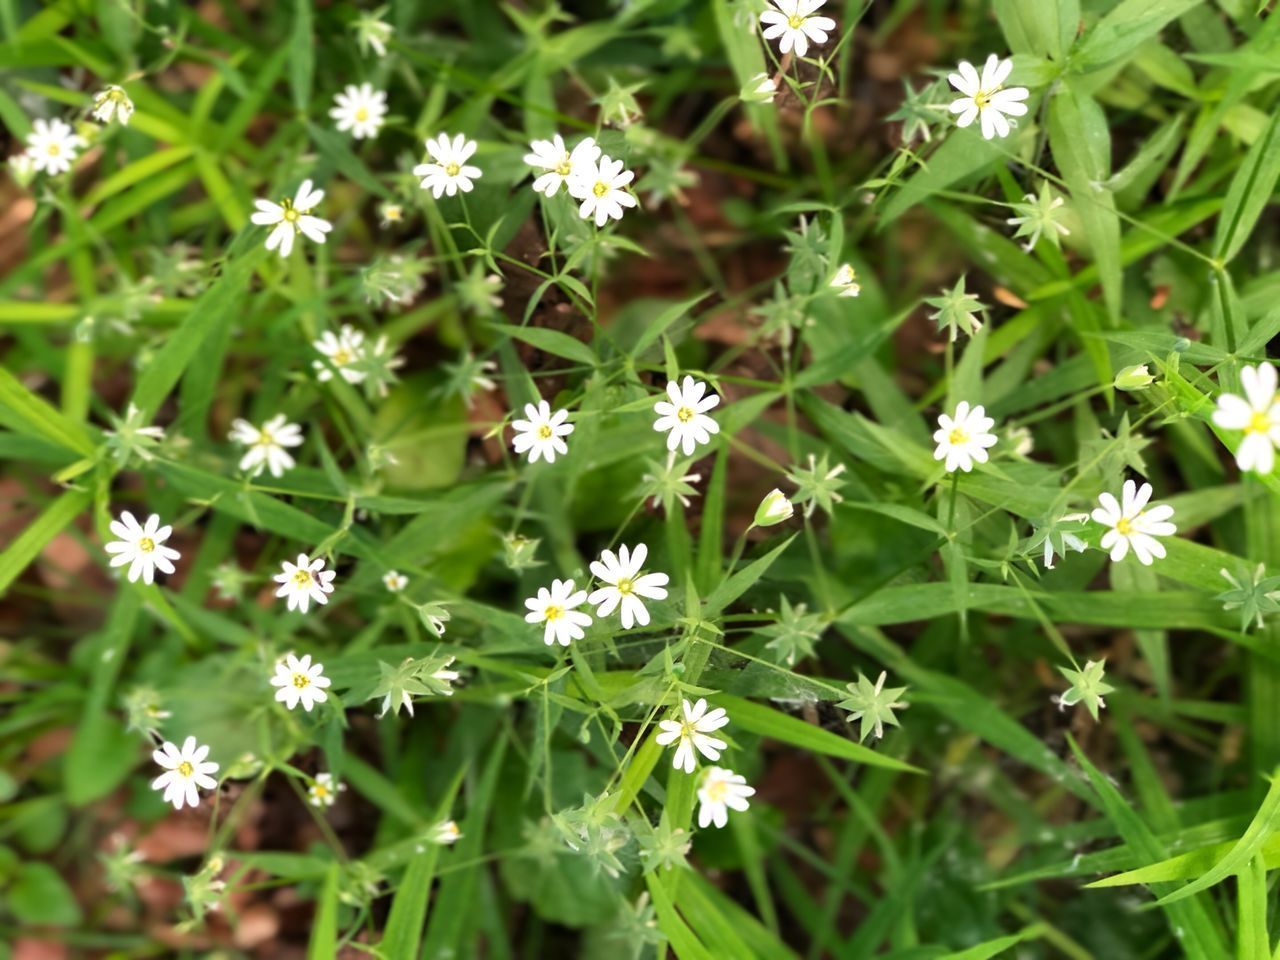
x=341, y=357
x=117, y=96
x=301, y=681
x=1261, y=423
x=185, y=768
x=53, y=149
x=626, y=585
x=146, y=544
x=393, y=213
x=957, y=437
x=563, y=168
x=717, y=790
x=794, y=21
x=320, y=791
x=982, y=99
x=302, y=578
x=544, y=432
x=452, y=169
x=265, y=439
x=600, y=189
x=1124, y=527
x=553, y=613
x=362, y=114
x=685, y=414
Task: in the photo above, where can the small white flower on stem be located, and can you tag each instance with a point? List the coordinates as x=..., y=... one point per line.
x=986, y=98
x=52, y=146
x=362, y=110
x=625, y=584
x=324, y=790
x=692, y=734
x=394, y=581
x=761, y=89
x=342, y=350
x=963, y=439
x=111, y=103
x=559, y=162
x=448, y=171
x=541, y=435
x=446, y=833
x=266, y=444
x=685, y=419
x=300, y=681
x=795, y=24
x=845, y=282
x=184, y=770
x=556, y=608
x=1257, y=414
x=304, y=581
x=601, y=186
x=1133, y=525
x=773, y=509
x=141, y=547
x=721, y=791
x=292, y=217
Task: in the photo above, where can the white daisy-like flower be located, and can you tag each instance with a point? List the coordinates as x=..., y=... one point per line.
x=446, y=832
x=300, y=681
x=266, y=444
x=394, y=581
x=986, y=98
x=845, y=282
x=541, y=435
x=556, y=608
x=342, y=350
x=691, y=734
x=684, y=419
x=292, y=217
x=142, y=547
x=304, y=581
x=964, y=437
x=448, y=171
x=1257, y=413
x=624, y=584
x=324, y=790
x=184, y=770
x=559, y=162
x=362, y=110
x=111, y=103
x=1132, y=525
x=52, y=145
x=795, y=24
x=721, y=791
x=390, y=213
x=601, y=186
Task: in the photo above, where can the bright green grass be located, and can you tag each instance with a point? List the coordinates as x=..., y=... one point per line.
x=989, y=823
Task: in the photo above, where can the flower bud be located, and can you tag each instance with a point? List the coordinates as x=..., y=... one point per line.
x=1134, y=378
x=774, y=508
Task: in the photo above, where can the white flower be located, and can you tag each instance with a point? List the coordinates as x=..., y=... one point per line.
x=691, y=732
x=394, y=581
x=773, y=509
x=685, y=419
x=141, y=547
x=304, y=581
x=324, y=790
x=342, y=351
x=555, y=608
x=761, y=89
x=845, y=281
x=446, y=832
x=624, y=585
x=362, y=110
x=964, y=437
x=292, y=217
x=986, y=98
x=721, y=791
x=559, y=162
x=541, y=433
x=184, y=770
x=266, y=444
x=300, y=680
x=372, y=32
x=448, y=172
x=1132, y=525
x=52, y=145
x=1257, y=413
x=112, y=102
x=794, y=23
x=390, y=213
x=601, y=188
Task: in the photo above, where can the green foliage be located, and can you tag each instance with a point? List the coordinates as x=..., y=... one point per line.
x=520, y=804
